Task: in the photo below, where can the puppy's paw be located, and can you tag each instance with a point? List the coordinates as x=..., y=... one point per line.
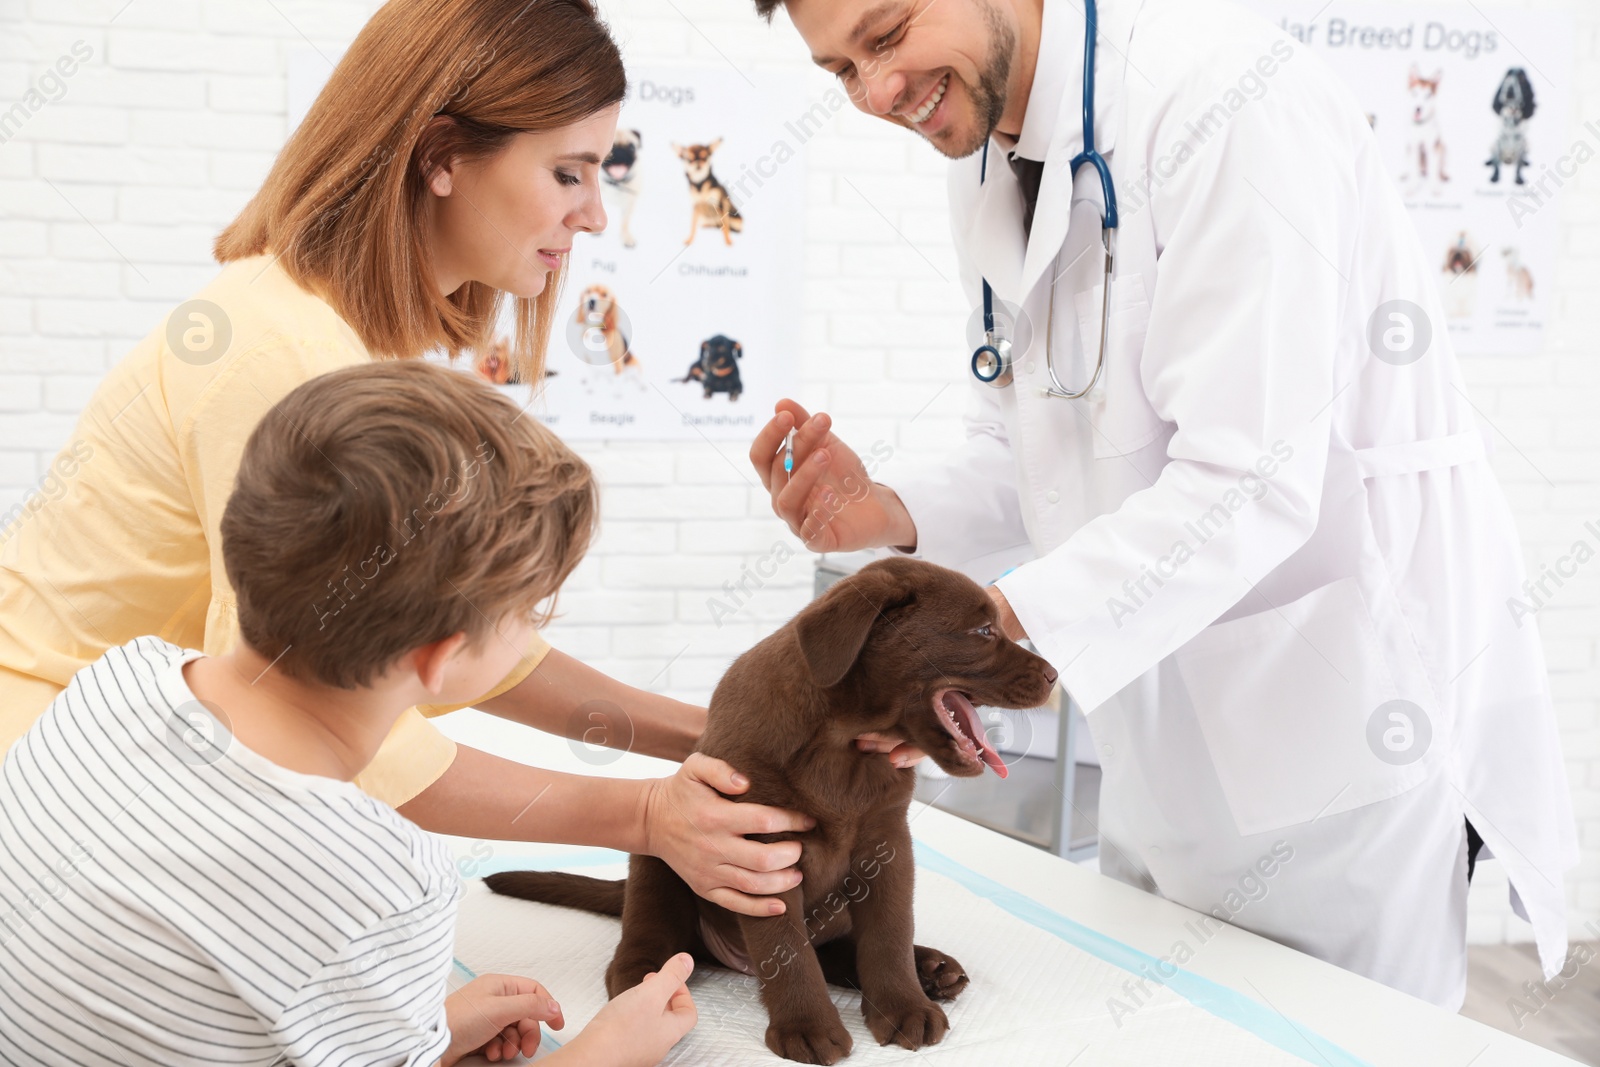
x=623, y=975
x=941, y=976
x=911, y=1025
x=826, y=1042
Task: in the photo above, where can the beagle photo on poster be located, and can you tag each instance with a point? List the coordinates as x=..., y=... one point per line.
x=603, y=337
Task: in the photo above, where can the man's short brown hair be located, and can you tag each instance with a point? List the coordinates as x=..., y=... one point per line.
x=383, y=507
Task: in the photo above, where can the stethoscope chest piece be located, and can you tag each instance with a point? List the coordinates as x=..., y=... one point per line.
x=991, y=362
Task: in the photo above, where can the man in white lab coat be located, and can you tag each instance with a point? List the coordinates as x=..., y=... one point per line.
x=1269, y=556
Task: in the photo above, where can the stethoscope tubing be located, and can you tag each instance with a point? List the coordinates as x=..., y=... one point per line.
x=991, y=348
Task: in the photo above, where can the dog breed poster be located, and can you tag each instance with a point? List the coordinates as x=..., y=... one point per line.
x=681, y=320
x=1470, y=116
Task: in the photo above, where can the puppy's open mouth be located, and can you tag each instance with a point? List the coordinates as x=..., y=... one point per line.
x=960, y=720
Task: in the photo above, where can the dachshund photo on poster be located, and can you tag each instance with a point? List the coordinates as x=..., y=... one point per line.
x=717, y=369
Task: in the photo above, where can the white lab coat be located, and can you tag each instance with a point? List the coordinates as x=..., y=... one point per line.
x=1255, y=535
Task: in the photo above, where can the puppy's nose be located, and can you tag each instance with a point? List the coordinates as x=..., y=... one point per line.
x=1050, y=674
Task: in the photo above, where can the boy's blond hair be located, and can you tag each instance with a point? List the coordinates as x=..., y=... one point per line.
x=383, y=507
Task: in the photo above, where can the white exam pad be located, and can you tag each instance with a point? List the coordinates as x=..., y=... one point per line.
x=1041, y=988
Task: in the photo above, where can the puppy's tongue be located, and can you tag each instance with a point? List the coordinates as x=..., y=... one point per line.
x=968, y=716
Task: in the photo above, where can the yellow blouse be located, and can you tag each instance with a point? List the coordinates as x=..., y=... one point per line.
x=122, y=538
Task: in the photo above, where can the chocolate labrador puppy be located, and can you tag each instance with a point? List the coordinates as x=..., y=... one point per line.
x=902, y=646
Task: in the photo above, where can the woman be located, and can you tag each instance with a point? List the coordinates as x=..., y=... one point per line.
x=442, y=172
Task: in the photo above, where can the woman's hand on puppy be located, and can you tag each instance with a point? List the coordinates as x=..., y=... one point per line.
x=701, y=835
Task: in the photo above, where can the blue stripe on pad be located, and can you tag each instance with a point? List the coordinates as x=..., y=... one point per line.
x=1227, y=1004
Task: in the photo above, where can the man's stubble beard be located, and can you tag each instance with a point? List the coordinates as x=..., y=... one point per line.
x=989, y=96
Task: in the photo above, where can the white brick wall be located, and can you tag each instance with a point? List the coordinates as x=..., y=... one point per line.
x=110, y=196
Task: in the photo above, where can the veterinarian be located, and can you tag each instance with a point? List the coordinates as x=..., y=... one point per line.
x=398, y=219
x=1269, y=556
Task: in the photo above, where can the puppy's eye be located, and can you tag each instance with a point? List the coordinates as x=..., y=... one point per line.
x=984, y=631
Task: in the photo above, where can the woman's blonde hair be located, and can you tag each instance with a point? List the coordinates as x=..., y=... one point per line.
x=345, y=204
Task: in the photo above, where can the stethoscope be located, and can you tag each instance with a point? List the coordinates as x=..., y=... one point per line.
x=992, y=360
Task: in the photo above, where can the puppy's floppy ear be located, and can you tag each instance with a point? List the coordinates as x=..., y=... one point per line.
x=833, y=630
x=738, y=350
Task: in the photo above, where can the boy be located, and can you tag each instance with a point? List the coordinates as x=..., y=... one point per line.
x=187, y=874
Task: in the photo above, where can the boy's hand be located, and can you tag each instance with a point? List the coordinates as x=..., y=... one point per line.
x=642, y=1024
x=499, y=1016
x=701, y=835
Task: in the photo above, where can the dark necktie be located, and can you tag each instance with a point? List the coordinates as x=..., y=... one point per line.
x=1028, y=172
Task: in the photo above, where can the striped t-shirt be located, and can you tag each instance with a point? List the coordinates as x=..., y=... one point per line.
x=169, y=897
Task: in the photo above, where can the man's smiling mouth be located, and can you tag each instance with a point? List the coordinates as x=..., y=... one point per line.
x=930, y=103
